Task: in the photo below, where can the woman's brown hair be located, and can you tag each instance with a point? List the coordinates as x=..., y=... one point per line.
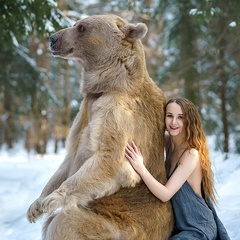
x=195, y=138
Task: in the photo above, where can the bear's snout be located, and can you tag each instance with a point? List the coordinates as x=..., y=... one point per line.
x=53, y=39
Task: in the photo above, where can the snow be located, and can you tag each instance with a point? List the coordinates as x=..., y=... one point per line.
x=23, y=176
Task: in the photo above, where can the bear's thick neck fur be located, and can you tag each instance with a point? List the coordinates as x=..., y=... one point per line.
x=124, y=71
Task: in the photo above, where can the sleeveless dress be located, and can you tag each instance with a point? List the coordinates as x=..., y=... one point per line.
x=194, y=218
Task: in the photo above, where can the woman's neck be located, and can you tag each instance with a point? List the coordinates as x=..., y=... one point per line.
x=178, y=143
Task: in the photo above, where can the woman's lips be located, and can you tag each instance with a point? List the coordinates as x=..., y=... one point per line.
x=174, y=128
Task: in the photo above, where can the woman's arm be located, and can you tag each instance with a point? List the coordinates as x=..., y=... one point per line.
x=188, y=164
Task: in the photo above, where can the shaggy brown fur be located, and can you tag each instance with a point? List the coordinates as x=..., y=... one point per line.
x=97, y=193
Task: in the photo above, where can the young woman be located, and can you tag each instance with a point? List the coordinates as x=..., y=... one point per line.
x=190, y=178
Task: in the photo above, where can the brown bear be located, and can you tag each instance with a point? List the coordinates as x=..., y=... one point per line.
x=95, y=193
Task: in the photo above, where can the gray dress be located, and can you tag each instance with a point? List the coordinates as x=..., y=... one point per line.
x=194, y=218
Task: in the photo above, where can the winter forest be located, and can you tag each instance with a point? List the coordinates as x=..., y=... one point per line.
x=192, y=50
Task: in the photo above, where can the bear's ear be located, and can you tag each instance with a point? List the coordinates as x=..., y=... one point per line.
x=135, y=32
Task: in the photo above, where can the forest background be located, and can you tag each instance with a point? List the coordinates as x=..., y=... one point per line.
x=192, y=50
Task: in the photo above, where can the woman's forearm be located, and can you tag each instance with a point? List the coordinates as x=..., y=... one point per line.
x=157, y=189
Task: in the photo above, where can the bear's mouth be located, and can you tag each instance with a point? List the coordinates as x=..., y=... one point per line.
x=53, y=50
x=61, y=53
x=55, y=53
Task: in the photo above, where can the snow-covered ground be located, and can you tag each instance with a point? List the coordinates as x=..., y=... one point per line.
x=22, y=177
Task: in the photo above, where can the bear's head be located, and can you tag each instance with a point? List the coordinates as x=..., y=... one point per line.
x=109, y=50
x=96, y=39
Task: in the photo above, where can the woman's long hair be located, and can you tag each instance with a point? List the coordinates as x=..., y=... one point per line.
x=195, y=138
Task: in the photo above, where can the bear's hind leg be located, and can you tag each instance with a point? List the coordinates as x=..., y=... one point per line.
x=79, y=224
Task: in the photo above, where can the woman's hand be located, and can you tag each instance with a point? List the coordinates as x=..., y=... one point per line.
x=134, y=156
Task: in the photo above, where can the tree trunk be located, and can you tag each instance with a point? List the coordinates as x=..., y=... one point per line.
x=187, y=55
x=9, y=130
x=223, y=84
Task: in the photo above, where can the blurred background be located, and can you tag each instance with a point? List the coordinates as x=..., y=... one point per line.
x=192, y=50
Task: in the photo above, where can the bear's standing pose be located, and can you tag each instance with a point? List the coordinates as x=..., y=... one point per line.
x=95, y=193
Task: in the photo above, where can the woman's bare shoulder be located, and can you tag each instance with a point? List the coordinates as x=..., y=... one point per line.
x=192, y=154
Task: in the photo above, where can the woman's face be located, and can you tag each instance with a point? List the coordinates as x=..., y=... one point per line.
x=174, y=120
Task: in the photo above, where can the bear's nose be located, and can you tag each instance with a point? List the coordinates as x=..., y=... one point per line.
x=54, y=38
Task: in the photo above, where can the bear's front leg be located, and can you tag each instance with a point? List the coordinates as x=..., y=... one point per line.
x=64, y=197
x=35, y=210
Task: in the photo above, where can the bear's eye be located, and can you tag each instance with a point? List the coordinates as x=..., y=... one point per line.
x=81, y=28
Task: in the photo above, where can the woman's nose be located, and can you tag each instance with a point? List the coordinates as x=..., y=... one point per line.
x=174, y=120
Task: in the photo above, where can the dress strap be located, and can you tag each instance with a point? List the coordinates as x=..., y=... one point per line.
x=177, y=162
x=181, y=155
